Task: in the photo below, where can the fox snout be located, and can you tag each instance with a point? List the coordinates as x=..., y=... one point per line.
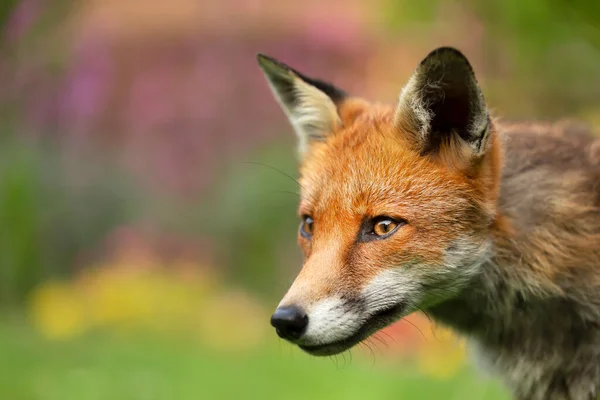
x=340, y=318
x=289, y=322
x=333, y=330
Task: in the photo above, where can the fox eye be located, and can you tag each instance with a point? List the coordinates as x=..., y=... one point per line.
x=307, y=226
x=379, y=228
x=384, y=226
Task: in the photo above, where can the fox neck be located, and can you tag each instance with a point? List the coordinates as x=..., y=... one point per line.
x=501, y=310
x=483, y=306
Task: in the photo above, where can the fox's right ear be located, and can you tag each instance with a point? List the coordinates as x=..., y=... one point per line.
x=310, y=104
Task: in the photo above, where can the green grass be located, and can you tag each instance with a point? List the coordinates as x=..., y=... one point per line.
x=103, y=367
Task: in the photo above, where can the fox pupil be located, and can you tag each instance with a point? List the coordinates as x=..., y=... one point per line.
x=384, y=227
x=307, y=226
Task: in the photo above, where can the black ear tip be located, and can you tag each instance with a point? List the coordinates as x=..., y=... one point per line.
x=266, y=61
x=446, y=53
x=263, y=56
x=263, y=59
x=447, y=49
x=447, y=56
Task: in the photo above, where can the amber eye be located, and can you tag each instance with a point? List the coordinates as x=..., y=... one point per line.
x=379, y=228
x=384, y=226
x=307, y=226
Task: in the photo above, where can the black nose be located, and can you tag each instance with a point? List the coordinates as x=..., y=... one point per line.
x=289, y=322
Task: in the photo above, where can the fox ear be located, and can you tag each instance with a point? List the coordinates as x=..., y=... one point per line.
x=442, y=103
x=310, y=104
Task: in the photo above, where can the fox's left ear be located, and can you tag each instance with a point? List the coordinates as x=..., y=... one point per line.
x=442, y=104
x=311, y=105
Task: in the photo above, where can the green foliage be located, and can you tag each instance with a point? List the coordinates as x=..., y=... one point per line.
x=49, y=214
x=533, y=25
x=100, y=367
x=6, y=9
x=254, y=218
x=399, y=12
x=553, y=48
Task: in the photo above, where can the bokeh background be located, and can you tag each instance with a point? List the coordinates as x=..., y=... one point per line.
x=147, y=225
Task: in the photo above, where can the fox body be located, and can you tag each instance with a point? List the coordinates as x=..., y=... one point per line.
x=432, y=204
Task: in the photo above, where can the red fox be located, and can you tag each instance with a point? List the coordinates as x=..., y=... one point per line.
x=433, y=204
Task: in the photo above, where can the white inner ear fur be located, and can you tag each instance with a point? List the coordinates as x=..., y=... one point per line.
x=412, y=103
x=313, y=116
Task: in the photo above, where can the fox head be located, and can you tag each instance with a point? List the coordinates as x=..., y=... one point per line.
x=397, y=201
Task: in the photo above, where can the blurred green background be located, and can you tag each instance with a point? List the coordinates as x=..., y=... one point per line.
x=147, y=225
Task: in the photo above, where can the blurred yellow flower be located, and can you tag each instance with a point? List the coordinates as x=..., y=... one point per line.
x=122, y=297
x=442, y=355
x=232, y=321
x=57, y=311
x=119, y=299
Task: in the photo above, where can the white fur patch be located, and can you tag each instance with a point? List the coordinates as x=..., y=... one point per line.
x=329, y=321
x=389, y=288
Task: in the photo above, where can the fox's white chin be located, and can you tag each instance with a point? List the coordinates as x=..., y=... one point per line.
x=372, y=324
x=325, y=350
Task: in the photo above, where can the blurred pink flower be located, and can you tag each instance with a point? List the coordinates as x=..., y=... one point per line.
x=88, y=83
x=181, y=106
